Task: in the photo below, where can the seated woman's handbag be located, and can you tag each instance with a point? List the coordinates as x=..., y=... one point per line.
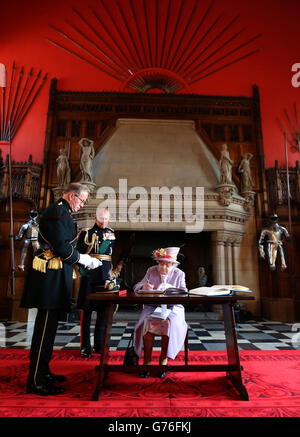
x=131, y=358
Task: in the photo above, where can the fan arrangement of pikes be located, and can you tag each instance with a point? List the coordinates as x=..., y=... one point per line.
x=165, y=44
x=17, y=100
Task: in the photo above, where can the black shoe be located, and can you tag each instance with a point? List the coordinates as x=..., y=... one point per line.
x=86, y=352
x=52, y=378
x=44, y=389
x=145, y=374
x=161, y=375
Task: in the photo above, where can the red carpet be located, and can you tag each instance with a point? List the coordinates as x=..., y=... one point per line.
x=272, y=380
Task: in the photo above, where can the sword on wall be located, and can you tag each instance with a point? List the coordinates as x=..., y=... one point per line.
x=288, y=183
x=11, y=234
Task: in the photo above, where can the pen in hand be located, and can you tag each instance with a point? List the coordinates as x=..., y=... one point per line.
x=148, y=285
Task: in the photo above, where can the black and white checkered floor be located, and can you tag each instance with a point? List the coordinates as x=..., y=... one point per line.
x=203, y=335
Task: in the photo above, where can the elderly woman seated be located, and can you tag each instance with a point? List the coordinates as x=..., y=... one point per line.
x=173, y=329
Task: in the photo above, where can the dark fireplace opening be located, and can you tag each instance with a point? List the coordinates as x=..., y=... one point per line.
x=136, y=247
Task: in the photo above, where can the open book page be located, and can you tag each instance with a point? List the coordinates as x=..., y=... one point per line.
x=160, y=289
x=218, y=290
x=233, y=287
x=210, y=291
x=241, y=288
x=141, y=291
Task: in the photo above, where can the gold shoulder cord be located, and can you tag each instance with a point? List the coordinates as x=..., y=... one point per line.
x=94, y=242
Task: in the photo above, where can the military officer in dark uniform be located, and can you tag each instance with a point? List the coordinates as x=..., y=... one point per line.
x=49, y=284
x=97, y=241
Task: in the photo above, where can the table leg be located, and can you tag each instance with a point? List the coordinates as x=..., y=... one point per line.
x=186, y=348
x=104, y=351
x=232, y=351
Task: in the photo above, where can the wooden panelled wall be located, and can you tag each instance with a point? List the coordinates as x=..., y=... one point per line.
x=235, y=121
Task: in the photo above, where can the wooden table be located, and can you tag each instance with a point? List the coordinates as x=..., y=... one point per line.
x=232, y=368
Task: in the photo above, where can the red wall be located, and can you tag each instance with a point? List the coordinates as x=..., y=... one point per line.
x=24, y=29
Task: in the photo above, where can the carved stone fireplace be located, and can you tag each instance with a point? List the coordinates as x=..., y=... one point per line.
x=140, y=158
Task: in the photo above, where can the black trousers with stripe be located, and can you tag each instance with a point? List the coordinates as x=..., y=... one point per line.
x=42, y=343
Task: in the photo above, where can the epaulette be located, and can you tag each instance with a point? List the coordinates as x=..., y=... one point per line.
x=111, y=229
x=56, y=211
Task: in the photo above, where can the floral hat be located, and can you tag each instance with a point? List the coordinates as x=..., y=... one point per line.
x=167, y=254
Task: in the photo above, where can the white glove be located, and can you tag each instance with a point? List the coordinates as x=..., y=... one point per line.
x=89, y=261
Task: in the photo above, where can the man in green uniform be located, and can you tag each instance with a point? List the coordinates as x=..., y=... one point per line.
x=97, y=241
x=48, y=285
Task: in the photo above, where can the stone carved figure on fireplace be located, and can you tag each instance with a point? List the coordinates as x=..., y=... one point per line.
x=273, y=235
x=86, y=159
x=225, y=165
x=245, y=171
x=63, y=168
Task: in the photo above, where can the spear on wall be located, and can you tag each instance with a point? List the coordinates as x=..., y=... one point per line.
x=13, y=114
x=292, y=131
x=22, y=97
x=11, y=234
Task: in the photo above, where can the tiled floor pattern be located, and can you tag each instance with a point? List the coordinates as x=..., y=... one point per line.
x=252, y=335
